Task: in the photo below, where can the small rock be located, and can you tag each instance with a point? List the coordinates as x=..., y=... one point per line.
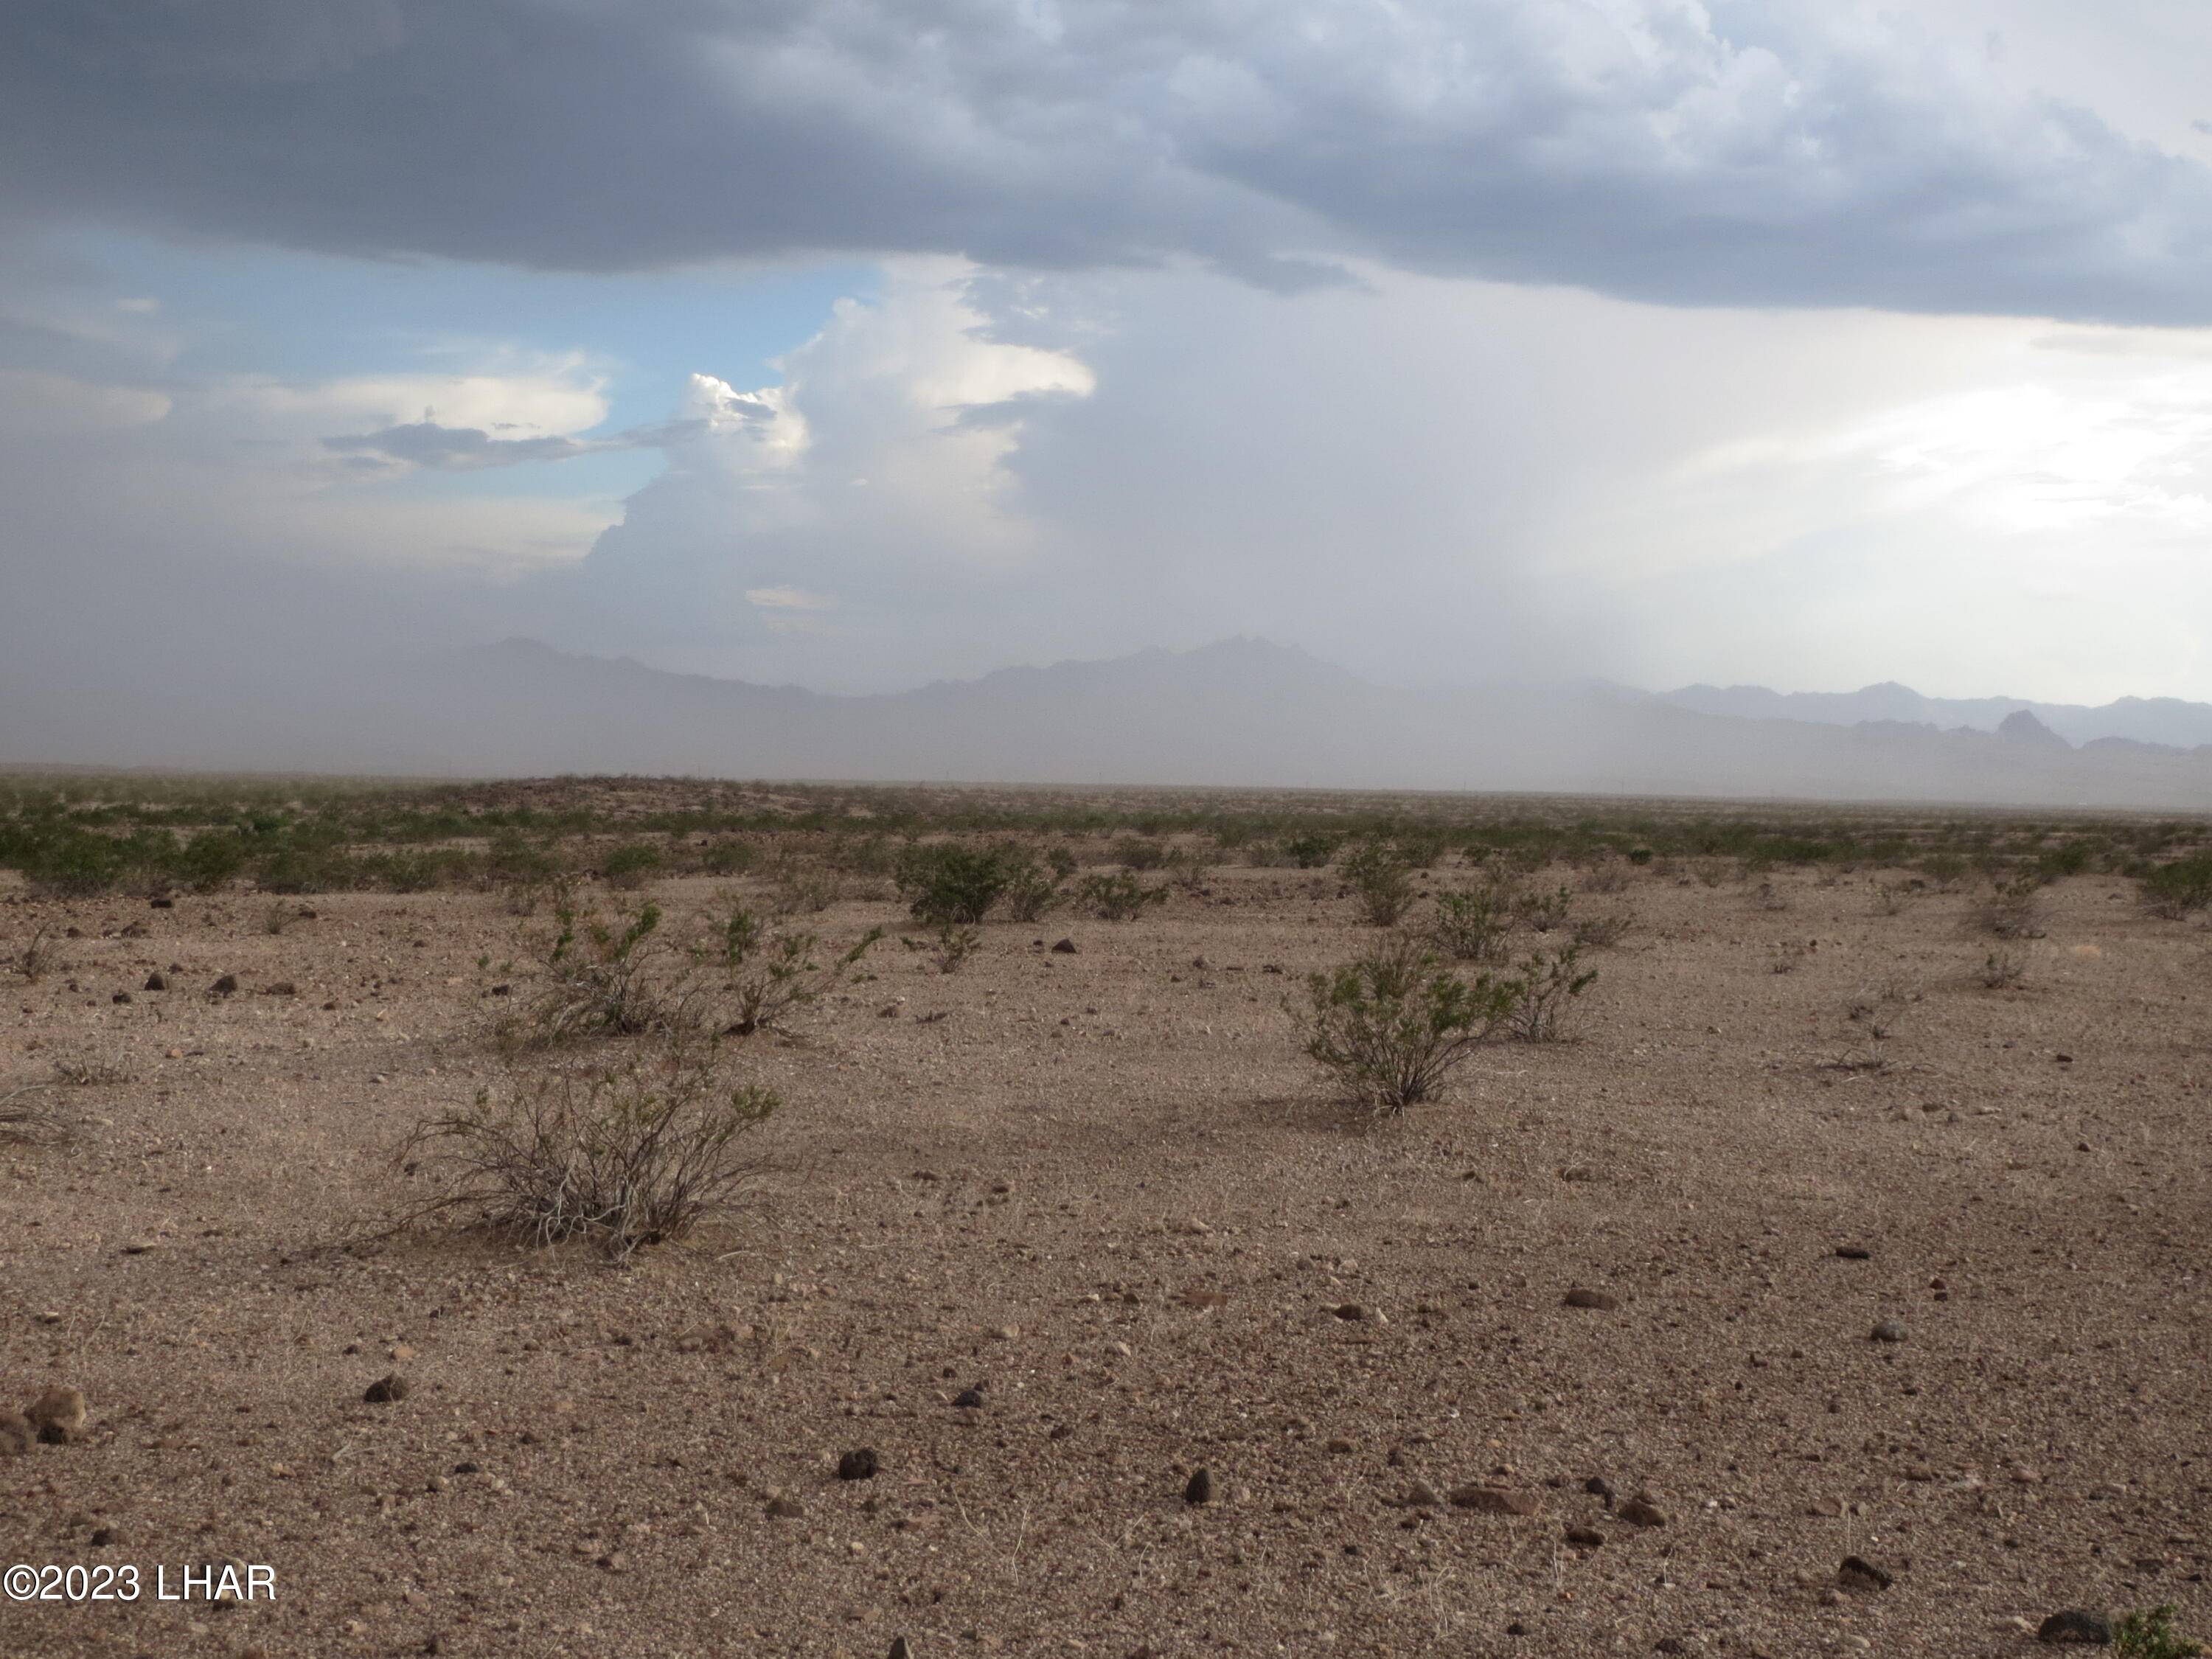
x=1853, y=1253
x=969, y=1399
x=1200, y=1488
x=106, y=1537
x=1494, y=1500
x=17, y=1436
x=1065, y=947
x=1421, y=1496
x=1598, y=1486
x=861, y=1464
x=155, y=983
x=785, y=1508
x=225, y=986
x=1641, y=1511
x=899, y=1649
x=1858, y=1574
x=283, y=987
x=2076, y=1624
x=1588, y=1538
x=386, y=1389
x=1889, y=1330
x=1349, y=1310
x=121, y=997
x=1337, y=1447
x=58, y=1415
x=1601, y=1300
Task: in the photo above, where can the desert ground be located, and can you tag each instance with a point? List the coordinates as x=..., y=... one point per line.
x=1104, y=1191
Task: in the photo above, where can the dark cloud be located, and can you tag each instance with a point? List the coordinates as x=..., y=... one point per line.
x=467, y=449
x=1781, y=152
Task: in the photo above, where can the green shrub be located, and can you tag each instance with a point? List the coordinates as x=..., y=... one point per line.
x=1312, y=850
x=610, y=978
x=1119, y=896
x=625, y=1155
x=2151, y=1635
x=2180, y=888
x=945, y=882
x=771, y=972
x=1472, y=925
x=631, y=865
x=1545, y=992
x=1382, y=877
x=1391, y=1026
x=1033, y=886
x=209, y=860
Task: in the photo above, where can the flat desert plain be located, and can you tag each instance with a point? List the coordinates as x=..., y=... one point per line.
x=1103, y=1193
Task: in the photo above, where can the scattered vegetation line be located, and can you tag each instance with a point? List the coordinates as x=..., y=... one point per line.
x=948, y=850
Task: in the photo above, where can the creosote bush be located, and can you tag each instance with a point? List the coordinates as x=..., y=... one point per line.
x=2177, y=889
x=609, y=978
x=771, y=972
x=1392, y=1025
x=1545, y=992
x=1472, y=925
x=945, y=882
x=626, y=1154
x=1119, y=896
x=1381, y=874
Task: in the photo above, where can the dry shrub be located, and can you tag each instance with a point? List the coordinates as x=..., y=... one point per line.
x=621, y=1155
x=771, y=972
x=25, y=1125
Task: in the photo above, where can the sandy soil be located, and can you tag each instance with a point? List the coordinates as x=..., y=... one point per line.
x=1106, y=1190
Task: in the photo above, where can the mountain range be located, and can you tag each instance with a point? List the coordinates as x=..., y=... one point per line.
x=1241, y=712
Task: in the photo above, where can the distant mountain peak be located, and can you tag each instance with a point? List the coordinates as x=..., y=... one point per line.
x=2022, y=726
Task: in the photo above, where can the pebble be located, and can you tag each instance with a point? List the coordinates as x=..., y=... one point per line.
x=899, y=1649
x=969, y=1399
x=860, y=1464
x=1641, y=1511
x=1588, y=1538
x=1601, y=1300
x=1200, y=1487
x=1065, y=947
x=1889, y=1330
x=1598, y=1486
x=16, y=1435
x=1853, y=1253
x=2076, y=1624
x=785, y=1508
x=1349, y=1310
x=225, y=986
x=58, y=1415
x=1421, y=1496
x=386, y=1389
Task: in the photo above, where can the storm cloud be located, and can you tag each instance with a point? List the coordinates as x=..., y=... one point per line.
x=1737, y=152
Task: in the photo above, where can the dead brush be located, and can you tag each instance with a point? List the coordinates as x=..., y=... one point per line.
x=82, y=1074
x=622, y=1154
x=39, y=956
x=25, y=1125
x=2014, y=911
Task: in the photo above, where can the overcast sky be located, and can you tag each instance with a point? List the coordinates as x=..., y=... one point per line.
x=855, y=344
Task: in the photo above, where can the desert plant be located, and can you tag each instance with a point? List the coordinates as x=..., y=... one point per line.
x=1381, y=874
x=39, y=956
x=2003, y=970
x=2014, y=911
x=945, y=882
x=631, y=865
x=609, y=978
x=1545, y=992
x=1603, y=932
x=2176, y=889
x=2152, y=1634
x=1541, y=912
x=1472, y=925
x=279, y=916
x=23, y=1124
x=1033, y=885
x=1312, y=850
x=953, y=945
x=624, y=1155
x=1119, y=896
x=772, y=972
x=1392, y=1025
x=80, y=1073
